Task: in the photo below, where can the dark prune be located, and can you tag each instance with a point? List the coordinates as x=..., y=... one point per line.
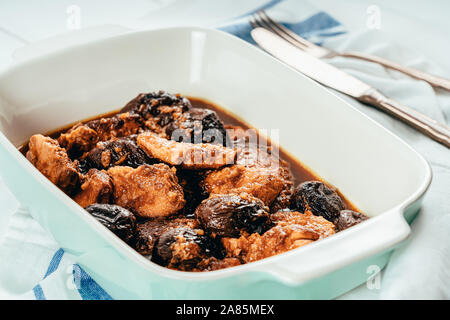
x=117, y=219
x=198, y=125
x=348, y=218
x=183, y=248
x=228, y=215
x=190, y=180
x=317, y=197
x=97, y=187
x=118, y=125
x=82, y=137
x=211, y=264
x=115, y=152
x=148, y=104
x=147, y=233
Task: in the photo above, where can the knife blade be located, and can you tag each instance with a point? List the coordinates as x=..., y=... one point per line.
x=312, y=67
x=334, y=78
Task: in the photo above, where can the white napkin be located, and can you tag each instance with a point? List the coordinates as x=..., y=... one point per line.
x=32, y=264
x=420, y=268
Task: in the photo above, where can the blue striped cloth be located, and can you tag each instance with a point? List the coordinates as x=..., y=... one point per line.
x=87, y=288
x=302, y=19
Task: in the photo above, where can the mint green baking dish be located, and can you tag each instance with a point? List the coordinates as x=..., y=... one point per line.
x=376, y=170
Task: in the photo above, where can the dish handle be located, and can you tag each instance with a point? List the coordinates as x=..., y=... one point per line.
x=370, y=237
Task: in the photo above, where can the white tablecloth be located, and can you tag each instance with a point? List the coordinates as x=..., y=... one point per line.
x=414, y=34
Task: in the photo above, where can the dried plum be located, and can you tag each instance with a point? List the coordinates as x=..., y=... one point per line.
x=148, y=232
x=82, y=137
x=183, y=248
x=115, y=152
x=198, y=125
x=348, y=218
x=190, y=180
x=149, y=104
x=117, y=219
x=228, y=215
x=317, y=197
x=118, y=125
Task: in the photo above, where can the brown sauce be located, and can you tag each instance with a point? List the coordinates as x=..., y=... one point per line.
x=300, y=171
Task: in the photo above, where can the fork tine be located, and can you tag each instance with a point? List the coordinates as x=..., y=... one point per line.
x=292, y=35
x=263, y=23
x=257, y=23
x=253, y=22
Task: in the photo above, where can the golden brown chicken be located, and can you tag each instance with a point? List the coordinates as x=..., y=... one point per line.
x=97, y=187
x=291, y=230
x=53, y=162
x=256, y=172
x=148, y=191
x=187, y=155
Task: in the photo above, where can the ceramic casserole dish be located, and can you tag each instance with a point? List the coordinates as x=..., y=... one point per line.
x=374, y=169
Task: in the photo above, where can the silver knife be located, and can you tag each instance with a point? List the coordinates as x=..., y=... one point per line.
x=334, y=78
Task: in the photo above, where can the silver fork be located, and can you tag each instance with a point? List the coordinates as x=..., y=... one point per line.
x=261, y=19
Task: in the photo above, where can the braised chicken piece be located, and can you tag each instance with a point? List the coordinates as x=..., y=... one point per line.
x=53, y=162
x=96, y=187
x=82, y=137
x=147, y=233
x=257, y=152
x=187, y=155
x=308, y=220
x=291, y=230
x=115, y=152
x=148, y=191
x=283, y=199
x=159, y=109
x=230, y=214
x=256, y=172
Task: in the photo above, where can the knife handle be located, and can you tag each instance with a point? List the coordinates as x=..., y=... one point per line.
x=433, y=129
x=435, y=81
